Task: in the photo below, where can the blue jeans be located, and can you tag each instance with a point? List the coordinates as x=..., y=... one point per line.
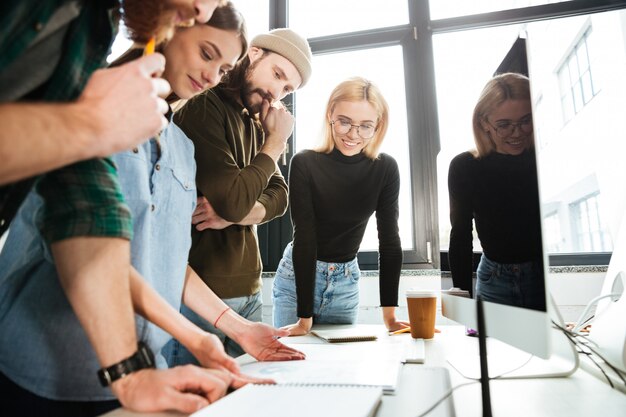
x=520, y=285
x=250, y=307
x=336, y=292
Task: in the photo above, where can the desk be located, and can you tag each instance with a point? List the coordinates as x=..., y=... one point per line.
x=578, y=395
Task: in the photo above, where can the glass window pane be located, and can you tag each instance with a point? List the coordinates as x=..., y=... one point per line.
x=457, y=95
x=256, y=13
x=329, y=17
x=120, y=44
x=581, y=169
x=578, y=97
x=387, y=72
x=583, y=58
x=441, y=9
x=573, y=68
x=586, y=85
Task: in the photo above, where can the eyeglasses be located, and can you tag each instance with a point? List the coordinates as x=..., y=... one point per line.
x=506, y=129
x=343, y=127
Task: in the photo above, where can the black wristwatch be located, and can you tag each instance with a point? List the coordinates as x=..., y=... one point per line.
x=142, y=359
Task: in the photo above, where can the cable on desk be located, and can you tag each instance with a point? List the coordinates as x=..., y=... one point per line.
x=445, y=397
x=574, y=338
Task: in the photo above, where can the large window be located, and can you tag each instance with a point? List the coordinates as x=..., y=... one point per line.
x=575, y=79
x=431, y=58
x=580, y=163
x=589, y=235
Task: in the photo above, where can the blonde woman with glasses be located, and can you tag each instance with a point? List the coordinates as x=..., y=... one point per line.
x=333, y=191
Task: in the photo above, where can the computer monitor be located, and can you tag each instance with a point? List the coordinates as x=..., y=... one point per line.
x=576, y=68
x=527, y=329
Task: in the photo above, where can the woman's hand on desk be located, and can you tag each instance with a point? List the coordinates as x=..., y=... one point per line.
x=302, y=327
x=392, y=324
x=209, y=351
x=261, y=341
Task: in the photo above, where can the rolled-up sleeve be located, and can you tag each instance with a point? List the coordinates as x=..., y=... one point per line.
x=84, y=199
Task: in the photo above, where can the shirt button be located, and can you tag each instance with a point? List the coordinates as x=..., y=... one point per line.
x=135, y=150
x=157, y=167
x=152, y=207
x=38, y=26
x=2, y=222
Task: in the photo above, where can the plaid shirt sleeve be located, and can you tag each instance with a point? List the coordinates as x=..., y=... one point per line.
x=84, y=199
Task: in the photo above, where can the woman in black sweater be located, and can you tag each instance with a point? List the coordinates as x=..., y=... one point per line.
x=496, y=186
x=333, y=191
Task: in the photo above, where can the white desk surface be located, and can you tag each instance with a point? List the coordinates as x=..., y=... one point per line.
x=580, y=394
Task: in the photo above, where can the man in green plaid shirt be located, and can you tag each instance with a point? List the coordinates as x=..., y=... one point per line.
x=56, y=110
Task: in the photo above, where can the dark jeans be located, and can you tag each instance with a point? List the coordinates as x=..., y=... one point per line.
x=15, y=401
x=520, y=285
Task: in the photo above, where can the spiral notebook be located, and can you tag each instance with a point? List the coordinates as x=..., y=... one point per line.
x=344, y=335
x=301, y=400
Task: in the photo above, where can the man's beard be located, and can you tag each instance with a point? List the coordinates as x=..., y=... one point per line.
x=145, y=19
x=248, y=90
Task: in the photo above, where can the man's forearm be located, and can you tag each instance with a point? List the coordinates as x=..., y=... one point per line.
x=94, y=273
x=256, y=215
x=37, y=138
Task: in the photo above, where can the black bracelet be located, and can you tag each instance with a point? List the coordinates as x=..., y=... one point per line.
x=142, y=359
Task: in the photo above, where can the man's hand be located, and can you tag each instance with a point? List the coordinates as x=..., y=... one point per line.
x=204, y=217
x=123, y=105
x=278, y=124
x=302, y=327
x=184, y=388
x=260, y=341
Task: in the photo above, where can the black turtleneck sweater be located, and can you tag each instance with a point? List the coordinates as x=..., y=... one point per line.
x=332, y=197
x=500, y=193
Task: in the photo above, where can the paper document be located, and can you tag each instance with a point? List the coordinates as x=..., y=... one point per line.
x=301, y=400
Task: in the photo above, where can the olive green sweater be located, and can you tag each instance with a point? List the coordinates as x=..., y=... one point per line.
x=233, y=176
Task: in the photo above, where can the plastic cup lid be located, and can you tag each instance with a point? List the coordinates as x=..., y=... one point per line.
x=415, y=293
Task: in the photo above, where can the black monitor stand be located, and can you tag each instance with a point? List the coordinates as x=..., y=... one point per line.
x=482, y=351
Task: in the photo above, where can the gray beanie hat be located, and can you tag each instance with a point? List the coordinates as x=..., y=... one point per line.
x=290, y=45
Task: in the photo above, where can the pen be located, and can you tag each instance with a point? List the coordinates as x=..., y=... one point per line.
x=149, y=48
x=405, y=330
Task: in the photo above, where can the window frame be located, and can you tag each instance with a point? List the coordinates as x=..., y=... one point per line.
x=416, y=41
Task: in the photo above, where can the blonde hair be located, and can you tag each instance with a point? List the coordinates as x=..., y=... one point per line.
x=502, y=87
x=357, y=89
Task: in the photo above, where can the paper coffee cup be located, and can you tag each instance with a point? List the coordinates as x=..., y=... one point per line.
x=422, y=306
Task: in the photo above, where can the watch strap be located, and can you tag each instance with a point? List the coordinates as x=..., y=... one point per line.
x=142, y=359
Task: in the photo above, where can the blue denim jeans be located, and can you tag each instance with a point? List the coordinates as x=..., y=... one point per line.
x=250, y=307
x=336, y=293
x=520, y=285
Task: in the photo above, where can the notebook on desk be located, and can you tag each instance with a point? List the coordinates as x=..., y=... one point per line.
x=301, y=400
x=376, y=372
x=345, y=335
